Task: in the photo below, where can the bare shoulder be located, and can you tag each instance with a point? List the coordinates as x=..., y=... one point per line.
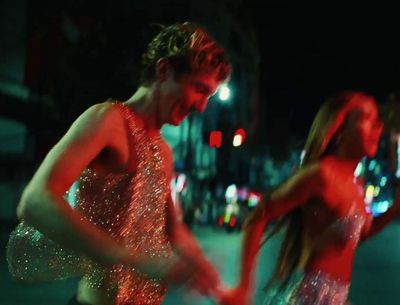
x=328, y=169
x=314, y=173
x=99, y=115
x=308, y=181
x=88, y=135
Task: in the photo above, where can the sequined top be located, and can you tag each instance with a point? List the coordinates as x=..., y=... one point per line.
x=131, y=207
x=350, y=227
x=311, y=288
x=316, y=286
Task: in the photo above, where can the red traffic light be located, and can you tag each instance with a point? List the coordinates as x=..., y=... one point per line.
x=239, y=137
x=215, y=139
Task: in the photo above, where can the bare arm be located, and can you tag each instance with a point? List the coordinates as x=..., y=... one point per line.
x=193, y=266
x=305, y=184
x=181, y=237
x=42, y=204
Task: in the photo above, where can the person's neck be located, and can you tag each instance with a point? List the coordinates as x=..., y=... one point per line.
x=145, y=105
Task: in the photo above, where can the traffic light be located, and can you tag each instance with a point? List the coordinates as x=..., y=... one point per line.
x=239, y=137
x=215, y=138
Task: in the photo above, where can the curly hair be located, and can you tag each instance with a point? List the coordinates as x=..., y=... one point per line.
x=189, y=49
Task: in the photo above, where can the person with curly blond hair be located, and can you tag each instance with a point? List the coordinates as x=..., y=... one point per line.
x=121, y=237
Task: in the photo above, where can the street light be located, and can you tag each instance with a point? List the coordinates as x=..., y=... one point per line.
x=224, y=92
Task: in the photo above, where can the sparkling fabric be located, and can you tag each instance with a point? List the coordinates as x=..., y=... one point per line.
x=312, y=288
x=318, y=287
x=350, y=228
x=131, y=207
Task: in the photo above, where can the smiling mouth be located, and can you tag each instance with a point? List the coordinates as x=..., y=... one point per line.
x=183, y=111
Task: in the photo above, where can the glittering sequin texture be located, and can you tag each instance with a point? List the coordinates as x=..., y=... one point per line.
x=316, y=287
x=131, y=207
x=312, y=288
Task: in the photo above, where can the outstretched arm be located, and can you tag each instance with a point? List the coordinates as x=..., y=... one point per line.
x=305, y=184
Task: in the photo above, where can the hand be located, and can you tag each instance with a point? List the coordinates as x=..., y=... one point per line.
x=205, y=278
x=197, y=273
x=235, y=296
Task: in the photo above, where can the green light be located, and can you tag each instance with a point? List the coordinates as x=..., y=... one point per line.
x=372, y=165
x=383, y=181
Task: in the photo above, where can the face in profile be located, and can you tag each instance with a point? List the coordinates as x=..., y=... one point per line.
x=362, y=130
x=186, y=94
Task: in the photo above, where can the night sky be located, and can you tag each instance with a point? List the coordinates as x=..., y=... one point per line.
x=307, y=52
x=310, y=53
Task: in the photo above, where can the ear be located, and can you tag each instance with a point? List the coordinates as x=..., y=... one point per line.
x=163, y=69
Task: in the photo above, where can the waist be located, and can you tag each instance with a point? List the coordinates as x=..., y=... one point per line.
x=320, y=287
x=335, y=270
x=333, y=259
x=120, y=286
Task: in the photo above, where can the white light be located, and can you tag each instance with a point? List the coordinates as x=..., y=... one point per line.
x=303, y=153
x=358, y=170
x=237, y=140
x=382, y=206
x=231, y=191
x=369, y=194
x=224, y=93
x=180, y=183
